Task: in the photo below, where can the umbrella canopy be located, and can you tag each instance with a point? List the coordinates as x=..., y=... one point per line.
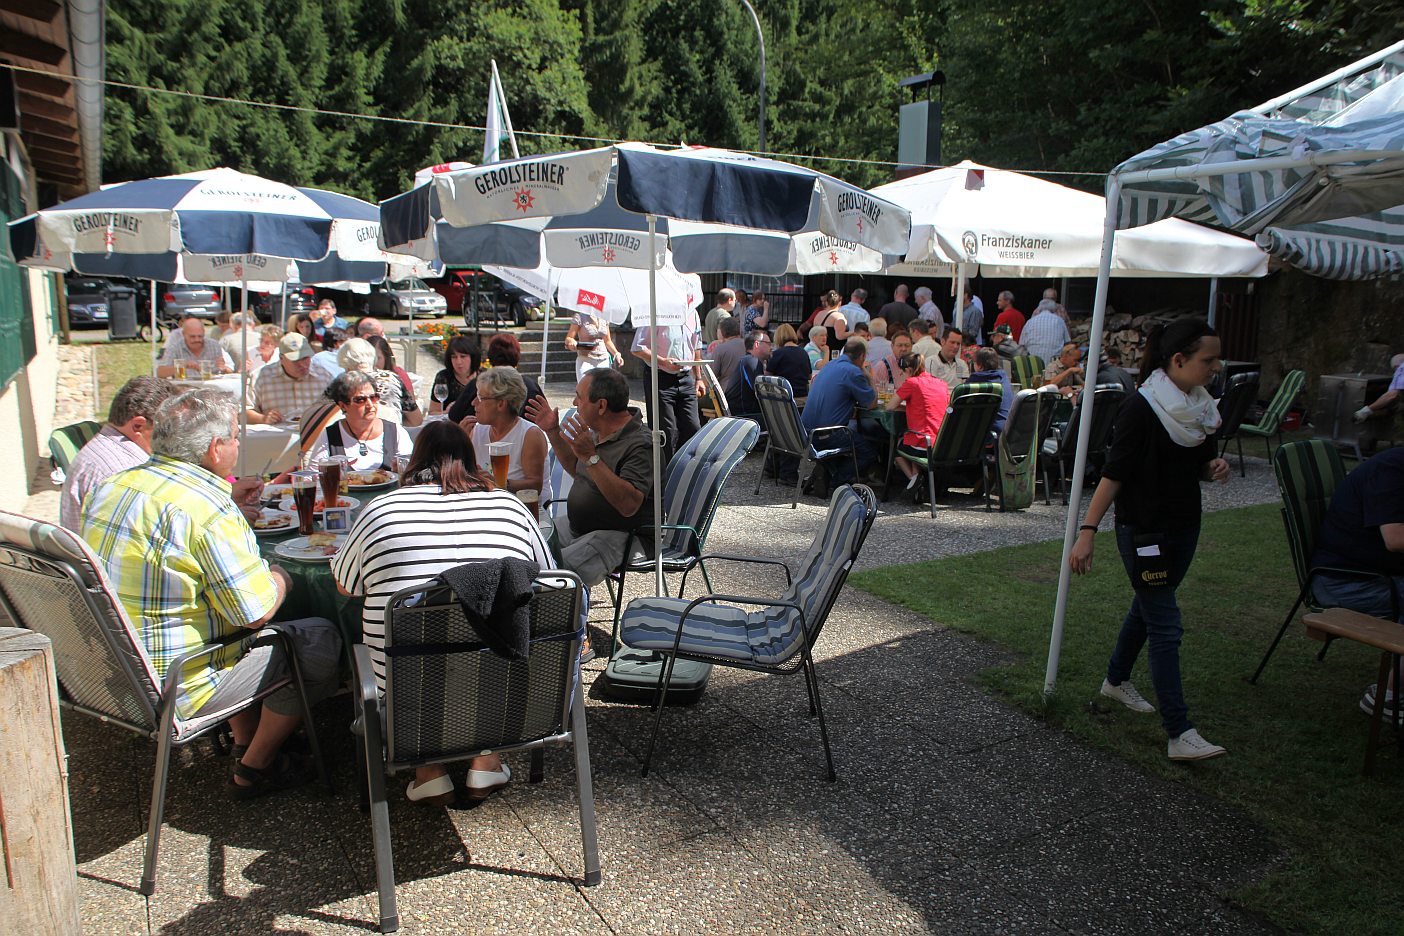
x=1015, y=225
x=614, y=293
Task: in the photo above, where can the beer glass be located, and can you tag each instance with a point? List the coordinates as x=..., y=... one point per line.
x=304, y=490
x=500, y=454
x=330, y=468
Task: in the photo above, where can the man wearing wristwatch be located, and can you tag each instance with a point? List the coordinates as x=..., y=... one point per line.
x=606, y=449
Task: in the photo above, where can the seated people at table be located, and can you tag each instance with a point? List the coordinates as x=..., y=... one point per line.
x=741, y=393
x=1065, y=371
x=367, y=440
x=268, y=338
x=924, y=342
x=989, y=370
x=1110, y=371
x=411, y=414
x=186, y=567
x=886, y=373
x=1364, y=529
x=190, y=344
x=818, y=348
x=324, y=361
x=123, y=443
x=946, y=364
x=445, y=515
x=498, y=418
x=503, y=350
x=326, y=318
x=368, y=326
x=360, y=355
x=834, y=394
x=301, y=324
x=223, y=325
x=606, y=449
x=462, y=359
x=284, y=390
x=926, y=400
x=727, y=353
x=1002, y=340
x=789, y=360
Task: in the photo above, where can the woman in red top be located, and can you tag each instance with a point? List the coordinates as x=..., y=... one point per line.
x=926, y=399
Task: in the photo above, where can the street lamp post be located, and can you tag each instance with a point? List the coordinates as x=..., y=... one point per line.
x=760, y=37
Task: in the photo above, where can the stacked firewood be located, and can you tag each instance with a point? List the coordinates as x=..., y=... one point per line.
x=1125, y=332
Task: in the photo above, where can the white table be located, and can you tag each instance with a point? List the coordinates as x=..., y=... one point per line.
x=229, y=383
x=268, y=449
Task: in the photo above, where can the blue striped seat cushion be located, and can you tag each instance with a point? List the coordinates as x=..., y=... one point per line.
x=768, y=637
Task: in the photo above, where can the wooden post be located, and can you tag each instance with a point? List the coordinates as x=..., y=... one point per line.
x=39, y=890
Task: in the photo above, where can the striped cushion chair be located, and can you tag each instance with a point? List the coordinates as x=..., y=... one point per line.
x=1025, y=369
x=777, y=638
x=1308, y=474
x=53, y=584
x=1271, y=423
x=964, y=435
x=65, y=441
x=691, y=492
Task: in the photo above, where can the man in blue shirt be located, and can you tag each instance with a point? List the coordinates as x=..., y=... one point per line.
x=989, y=371
x=326, y=318
x=834, y=392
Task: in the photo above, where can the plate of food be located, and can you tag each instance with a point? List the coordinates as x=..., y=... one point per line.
x=272, y=493
x=273, y=521
x=319, y=547
x=342, y=501
x=376, y=480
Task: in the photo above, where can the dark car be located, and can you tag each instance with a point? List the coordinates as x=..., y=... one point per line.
x=179, y=300
x=497, y=301
x=89, y=302
x=268, y=307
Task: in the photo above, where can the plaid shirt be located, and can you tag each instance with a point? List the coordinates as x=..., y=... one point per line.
x=273, y=389
x=184, y=564
x=1044, y=335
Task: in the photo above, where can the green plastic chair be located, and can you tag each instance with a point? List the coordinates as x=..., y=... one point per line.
x=1271, y=423
x=65, y=442
x=965, y=434
x=1024, y=369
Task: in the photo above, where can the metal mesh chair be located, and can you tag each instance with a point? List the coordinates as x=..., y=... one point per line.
x=776, y=639
x=786, y=434
x=964, y=435
x=1239, y=396
x=560, y=480
x=52, y=583
x=448, y=698
x=65, y=441
x=1106, y=403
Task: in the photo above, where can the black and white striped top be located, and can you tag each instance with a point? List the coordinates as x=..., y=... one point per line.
x=408, y=536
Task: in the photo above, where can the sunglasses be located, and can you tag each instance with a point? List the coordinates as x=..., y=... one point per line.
x=363, y=399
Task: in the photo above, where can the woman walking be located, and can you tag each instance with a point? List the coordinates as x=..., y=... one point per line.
x=1160, y=452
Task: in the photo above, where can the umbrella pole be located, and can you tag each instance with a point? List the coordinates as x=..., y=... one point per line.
x=958, y=312
x=153, y=326
x=243, y=374
x=546, y=330
x=658, y=583
x=1213, y=301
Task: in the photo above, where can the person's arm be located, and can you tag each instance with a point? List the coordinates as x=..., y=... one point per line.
x=548, y=420
x=1080, y=560
x=840, y=323
x=614, y=354
x=570, y=334
x=621, y=494
x=264, y=419
x=1385, y=401
x=643, y=350
x=281, y=583
x=533, y=463
x=1393, y=534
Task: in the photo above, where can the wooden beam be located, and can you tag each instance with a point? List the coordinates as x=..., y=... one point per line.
x=32, y=48
x=58, y=174
x=56, y=88
x=43, y=107
x=41, y=11
x=31, y=137
x=54, y=128
x=44, y=149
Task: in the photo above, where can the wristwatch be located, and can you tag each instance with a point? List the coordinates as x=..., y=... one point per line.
x=593, y=460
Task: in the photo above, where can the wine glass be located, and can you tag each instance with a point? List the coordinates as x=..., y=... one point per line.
x=440, y=392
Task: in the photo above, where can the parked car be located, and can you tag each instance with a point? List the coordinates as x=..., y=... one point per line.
x=179, y=300
x=398, y=299
x=268, y=307
x=497, y=301
x=88, y=300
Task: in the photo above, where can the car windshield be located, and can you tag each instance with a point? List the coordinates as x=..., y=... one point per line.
x=411, y=283
x=86, y=286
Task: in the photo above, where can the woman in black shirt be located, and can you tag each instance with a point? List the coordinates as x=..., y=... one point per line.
x=788, y=360
x=1160, y=451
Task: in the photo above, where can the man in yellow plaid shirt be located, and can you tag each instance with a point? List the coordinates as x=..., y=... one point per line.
x=187, y=569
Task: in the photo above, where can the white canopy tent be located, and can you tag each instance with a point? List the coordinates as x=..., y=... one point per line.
x=1314, y=166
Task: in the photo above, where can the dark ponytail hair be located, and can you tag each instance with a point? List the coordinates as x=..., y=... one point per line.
x=1182, y=336
x=912, y=362
x=443, y=455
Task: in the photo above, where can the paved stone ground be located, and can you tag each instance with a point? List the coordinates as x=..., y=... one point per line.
x=953, y=812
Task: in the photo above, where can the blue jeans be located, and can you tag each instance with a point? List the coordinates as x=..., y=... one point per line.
x=1368, y=596
x=1154, y=616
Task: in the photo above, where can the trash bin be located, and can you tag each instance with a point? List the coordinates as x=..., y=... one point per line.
x=122, y=312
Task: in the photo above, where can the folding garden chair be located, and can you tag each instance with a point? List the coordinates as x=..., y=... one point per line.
x=1106, y=402
x=964, y=435
x=786, y=434
x=1239, y=396
x=65, y=441
x=1025, y=370
x=1271, y=422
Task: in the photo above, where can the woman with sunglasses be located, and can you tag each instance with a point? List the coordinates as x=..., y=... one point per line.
x=497, y=418
x=367, y=441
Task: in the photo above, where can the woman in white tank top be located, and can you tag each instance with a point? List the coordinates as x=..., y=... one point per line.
x=497, y=409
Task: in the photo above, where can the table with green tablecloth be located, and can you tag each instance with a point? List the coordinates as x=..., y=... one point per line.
x=313, y=592
x=894, y=423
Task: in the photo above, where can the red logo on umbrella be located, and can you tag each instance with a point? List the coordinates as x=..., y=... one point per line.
x=238, y=271
x=524, y=199
x=833, y=258
x=593, y=300
x=109, y=237
x=608, y=255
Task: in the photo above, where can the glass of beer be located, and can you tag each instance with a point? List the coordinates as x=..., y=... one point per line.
x=180, y=368
x=501, y=455
x=330, y=468
x=304, y=490
x=532, y=499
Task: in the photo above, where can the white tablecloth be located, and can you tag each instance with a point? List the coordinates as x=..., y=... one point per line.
x=268, y=449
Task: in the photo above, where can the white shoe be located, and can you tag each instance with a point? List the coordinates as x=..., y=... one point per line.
x=1127, y=695
x=1190, y=746
x=437, y=792
x=484, y=783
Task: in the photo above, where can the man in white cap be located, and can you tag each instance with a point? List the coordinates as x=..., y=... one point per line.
x=289, y=389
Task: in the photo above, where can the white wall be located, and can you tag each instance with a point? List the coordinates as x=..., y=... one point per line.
x=27, y=404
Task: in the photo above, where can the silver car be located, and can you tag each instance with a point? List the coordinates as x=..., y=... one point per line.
x=402, y=298
x=179, y=300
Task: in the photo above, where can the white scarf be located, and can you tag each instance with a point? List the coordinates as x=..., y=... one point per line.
x=1188, y=417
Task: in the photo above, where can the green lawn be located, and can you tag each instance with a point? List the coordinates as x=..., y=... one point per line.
x=117, y=362
x=1296, y=740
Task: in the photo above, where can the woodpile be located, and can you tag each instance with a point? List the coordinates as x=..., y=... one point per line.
x=1127, y=333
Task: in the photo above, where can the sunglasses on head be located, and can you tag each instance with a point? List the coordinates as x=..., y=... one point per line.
x=366, y=398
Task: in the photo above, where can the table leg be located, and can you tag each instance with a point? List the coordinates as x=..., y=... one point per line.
x=891, y=459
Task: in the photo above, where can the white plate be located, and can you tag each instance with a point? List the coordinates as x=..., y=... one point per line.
x=271, y=513
x=272, y=493
x=297, y=548
x=344, y=500
x=348, y=476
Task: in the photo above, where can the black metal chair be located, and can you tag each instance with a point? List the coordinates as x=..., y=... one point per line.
x=786, y=434
x=1238, y=398
x=1106, y=401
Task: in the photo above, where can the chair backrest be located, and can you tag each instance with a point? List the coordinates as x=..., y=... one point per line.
x=966, y=428
x=448, y=697
x=976, y=387
x=1024, y=368
x=1020, y=437
x=1281, y=401
x=1307, y=476
x=781, y=415
x=1106, y=402
x=1239, y=396
x=65, y=441
x=560, y=481
x=696, y=474
x=820, y=576
x=52, y=583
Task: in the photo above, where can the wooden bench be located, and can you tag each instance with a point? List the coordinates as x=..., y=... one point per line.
x=1385, y=636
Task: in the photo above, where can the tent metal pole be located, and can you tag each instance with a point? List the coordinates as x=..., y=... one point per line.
x=1084, y=433
x=658, y=583
x=1213, y=300
x=1250, y=166
x=1327, y=81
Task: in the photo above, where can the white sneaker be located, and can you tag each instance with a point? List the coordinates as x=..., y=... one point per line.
x=1190, y=746
x=1127, y=695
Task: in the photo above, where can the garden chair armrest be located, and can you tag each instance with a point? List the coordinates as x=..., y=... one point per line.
x=734, y=558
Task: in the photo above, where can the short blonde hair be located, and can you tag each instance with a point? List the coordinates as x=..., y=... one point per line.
x=786, y=334
x=878, y=327
x=505, y=384
x=356, y=354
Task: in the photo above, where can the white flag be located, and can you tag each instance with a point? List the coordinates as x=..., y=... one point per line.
x=498, y=124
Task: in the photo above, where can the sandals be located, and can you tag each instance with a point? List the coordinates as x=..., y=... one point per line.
x=484, y=783
x=437, y=792
x=283, y=774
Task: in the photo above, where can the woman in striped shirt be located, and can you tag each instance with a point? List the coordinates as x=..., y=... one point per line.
x=447, y=513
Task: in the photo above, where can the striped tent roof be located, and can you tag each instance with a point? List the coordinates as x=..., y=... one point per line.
x=1332, y=218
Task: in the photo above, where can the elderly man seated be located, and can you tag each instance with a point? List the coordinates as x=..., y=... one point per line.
x=187, y=569
x=123, y=443
x=1065, y=371
x=947, y=364
x=287, y=389
x=190, y=344
x=834, y=395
